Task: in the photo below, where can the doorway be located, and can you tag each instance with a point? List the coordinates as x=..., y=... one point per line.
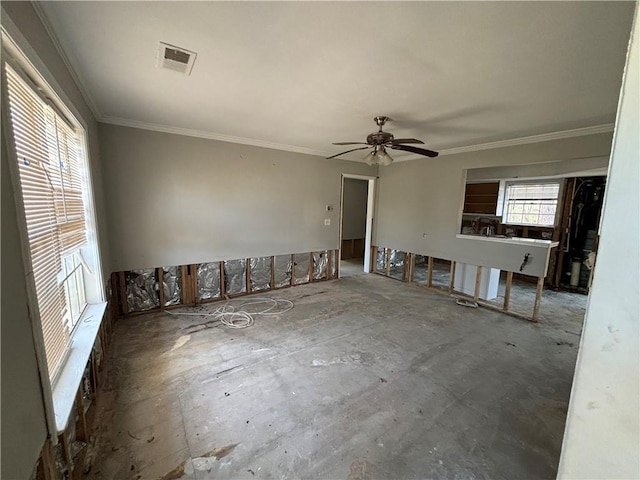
x=356, y=221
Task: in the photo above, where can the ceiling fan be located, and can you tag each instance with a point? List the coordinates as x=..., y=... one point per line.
x=379, y=142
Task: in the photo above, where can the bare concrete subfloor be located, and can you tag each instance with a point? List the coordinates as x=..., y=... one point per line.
x=351, y=267
x=365, y=378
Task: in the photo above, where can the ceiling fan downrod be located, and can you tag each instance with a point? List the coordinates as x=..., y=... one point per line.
x=380, y=121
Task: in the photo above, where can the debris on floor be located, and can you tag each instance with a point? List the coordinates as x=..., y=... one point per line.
x=176, y=473
x=180, y=342
x=204, y=463
x=466, y=303
x=220, y=452
x=361, y=470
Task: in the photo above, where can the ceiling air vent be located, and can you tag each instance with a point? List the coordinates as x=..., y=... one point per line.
x=175, y=58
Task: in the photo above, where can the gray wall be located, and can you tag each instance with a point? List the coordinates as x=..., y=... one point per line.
x=23, y=421
x=354, y=208
x=602, y=436
x=420, y=201
x=176, y=199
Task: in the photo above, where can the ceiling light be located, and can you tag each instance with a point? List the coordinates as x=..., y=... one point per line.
x=383, y=158
x=378, y=156
x=386, y=160
x=371, y=159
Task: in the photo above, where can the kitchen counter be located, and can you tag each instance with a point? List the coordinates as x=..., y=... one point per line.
x=513, y=240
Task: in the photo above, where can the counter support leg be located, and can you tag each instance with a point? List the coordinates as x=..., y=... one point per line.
x=536, y=305
x=507, y=291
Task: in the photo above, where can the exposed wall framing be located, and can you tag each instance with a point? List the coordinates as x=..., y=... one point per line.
x=419, y=269
x=67, y=458
x=139, y=291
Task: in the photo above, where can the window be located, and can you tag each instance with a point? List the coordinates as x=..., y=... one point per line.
x=531, y=203
x=55, y=195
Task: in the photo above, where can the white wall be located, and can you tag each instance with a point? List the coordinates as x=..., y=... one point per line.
x=420, y=201
x=602, y=436
x=176, y=200
x=354, y=208
x=23, y=417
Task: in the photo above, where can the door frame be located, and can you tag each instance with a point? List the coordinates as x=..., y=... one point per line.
x=368, y=238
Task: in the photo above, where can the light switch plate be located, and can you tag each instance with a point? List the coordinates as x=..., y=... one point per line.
x=327, y=222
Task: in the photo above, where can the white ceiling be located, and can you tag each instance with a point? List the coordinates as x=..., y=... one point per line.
x=300, y=75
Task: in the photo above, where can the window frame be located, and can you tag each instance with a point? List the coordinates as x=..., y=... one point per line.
x=34, y=72
x=505, y=201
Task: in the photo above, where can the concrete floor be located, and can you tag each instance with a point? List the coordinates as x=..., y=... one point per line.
x=351, y=267
x=365, y=378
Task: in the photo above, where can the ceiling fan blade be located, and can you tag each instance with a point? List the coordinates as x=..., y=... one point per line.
x=397, y=141
x=420, y=151
x=352, y=150
x=349, y=143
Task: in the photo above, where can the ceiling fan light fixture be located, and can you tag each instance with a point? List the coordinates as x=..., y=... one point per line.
x=382, y=157
x=370, y=159
x=386, y=160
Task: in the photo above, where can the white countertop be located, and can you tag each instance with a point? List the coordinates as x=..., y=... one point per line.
x=513, y=240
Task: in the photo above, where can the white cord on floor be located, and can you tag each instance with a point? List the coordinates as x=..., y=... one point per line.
x=235, y=316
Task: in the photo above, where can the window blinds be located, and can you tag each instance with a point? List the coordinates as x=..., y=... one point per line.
x=532, y=203
x=51, y=178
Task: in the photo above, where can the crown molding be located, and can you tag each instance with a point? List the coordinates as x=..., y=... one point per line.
x=545, y=137
x=77, y=78
x=210, y=135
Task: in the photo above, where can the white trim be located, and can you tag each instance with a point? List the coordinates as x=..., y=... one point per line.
x=210, y=135
x=368, y=236
x=359, y=177
x=545, y=137
x=77, y=78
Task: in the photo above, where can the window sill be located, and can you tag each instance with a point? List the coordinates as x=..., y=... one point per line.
x=66, y=387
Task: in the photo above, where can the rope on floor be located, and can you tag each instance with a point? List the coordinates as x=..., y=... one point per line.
x=238, y=316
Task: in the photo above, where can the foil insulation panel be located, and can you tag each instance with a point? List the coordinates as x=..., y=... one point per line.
x=320, y=261
x=380, y=260
x=235, y=276
x=301, y=261
x=420, y=268
x=209, y=281
x=282, y=271
x=396, y=263
x=334, y=264
x=171, y=285
x=142, y=290
x=396, y=258
x=260, y=273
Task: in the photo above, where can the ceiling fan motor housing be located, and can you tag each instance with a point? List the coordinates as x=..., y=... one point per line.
x=379, y=138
